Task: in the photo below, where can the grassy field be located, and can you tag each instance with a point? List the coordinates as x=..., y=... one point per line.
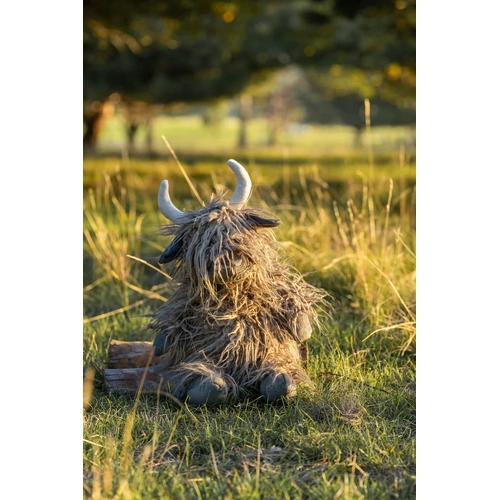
x=350, y=228
x=189, y=134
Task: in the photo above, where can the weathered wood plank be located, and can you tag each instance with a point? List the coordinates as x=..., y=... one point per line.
x=129, y=380
x=122, y=354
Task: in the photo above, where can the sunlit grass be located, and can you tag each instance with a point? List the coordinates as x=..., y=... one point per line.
x=353, y=436
x=188, y=133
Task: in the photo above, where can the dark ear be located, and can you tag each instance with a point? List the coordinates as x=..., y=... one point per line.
x=171, y=252
x=256, y=221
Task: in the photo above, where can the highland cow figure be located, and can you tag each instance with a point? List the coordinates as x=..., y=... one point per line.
x=235, y=322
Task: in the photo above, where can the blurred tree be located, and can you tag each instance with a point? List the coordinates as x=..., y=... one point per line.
x=186, y=51
x=246, y=112
x=137, y=113
x=337, y=95
x=282, y=103
x=375, y=59
x=195, y=51
x=215, y=112
x=94, y=117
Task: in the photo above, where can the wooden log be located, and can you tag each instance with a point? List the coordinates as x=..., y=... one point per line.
x=130, y=379
x=122, y=354
x=127, y=362
x=131, y=362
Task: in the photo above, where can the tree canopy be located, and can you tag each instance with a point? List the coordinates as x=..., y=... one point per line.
x=185, y=51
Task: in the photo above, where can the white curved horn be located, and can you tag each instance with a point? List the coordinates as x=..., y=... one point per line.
x=243, y=184
x=166, y=206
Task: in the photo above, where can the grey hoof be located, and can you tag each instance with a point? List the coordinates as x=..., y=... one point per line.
x=275, y=387
x=207, y=391
x=160, y=343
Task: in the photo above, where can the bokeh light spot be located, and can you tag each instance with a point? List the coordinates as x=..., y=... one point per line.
x=309, y=51
x=228, y=16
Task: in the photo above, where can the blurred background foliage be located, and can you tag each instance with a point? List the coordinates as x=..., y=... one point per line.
x=286, y=64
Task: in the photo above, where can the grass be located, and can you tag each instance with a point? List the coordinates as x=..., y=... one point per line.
x=188, y=134
x=351, y=230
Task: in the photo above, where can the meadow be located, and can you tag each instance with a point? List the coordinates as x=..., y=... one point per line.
x=348, y=224
x=189, y=135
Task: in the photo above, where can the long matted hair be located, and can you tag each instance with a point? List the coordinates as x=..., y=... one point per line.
x=237, y=307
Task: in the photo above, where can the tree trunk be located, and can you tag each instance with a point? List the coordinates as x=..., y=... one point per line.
x=279, y=106
x=94, y=122
x=94, y=125
x=245, y=115
x=149, y=134
x=272, y=138
x=131, y=132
